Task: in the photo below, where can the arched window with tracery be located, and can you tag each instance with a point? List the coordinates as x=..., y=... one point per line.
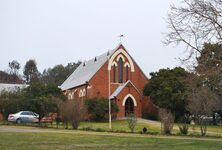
x=114, y=73
x=120, y=66
x=127, y=73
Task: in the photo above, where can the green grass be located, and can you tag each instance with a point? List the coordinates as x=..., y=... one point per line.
x=52, y=141
x=118, y=126
x=122, y=126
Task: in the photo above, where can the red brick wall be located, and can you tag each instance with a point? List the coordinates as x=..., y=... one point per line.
x=119, y=100
x=99, y=83
x=99, y=87
x=100, y=79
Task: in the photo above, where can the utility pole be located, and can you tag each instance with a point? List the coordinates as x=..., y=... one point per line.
x=110, y=116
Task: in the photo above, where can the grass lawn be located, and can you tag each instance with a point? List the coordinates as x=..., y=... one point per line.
x=122, y=126
x=119, y=125
x=154, y=127
x=53, y=141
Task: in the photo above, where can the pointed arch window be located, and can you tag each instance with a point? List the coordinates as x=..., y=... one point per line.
x=120, y=66
x=114, y=73
x=127, y=73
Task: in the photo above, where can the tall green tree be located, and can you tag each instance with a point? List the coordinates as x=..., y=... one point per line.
x=209, y=66
x=209, y=70
x=167, y=89
x=14, y=67
x=30, y=71
x=41, y=98
x=38, y=97
x=10, y=102
x=58, y=74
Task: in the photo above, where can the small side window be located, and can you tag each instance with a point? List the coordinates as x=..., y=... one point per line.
x=24, y=113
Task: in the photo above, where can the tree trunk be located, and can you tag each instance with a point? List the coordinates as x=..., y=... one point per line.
x=203, y=128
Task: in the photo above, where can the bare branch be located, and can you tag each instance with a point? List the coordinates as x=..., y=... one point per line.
x=194, y=23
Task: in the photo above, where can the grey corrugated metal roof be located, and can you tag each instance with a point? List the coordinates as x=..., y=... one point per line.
x=117, y=91
x=85, y=71
x=11, y=87
x=120, y=88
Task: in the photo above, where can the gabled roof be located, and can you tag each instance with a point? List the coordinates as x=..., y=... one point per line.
x=121, y=87
x=11, y=87
x=86, y=71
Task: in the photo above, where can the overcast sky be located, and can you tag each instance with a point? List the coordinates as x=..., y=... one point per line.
x=61, y=31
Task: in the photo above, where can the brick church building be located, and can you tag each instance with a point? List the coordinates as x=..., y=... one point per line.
x=113, y=75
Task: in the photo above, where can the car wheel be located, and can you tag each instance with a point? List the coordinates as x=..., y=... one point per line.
x=18, y=121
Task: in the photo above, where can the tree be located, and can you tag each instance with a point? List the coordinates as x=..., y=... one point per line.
x=14, y=67
x=167, y=120
x=194, y=23
x=30, y=71
x=202, y=102
x=167, y=90
x=97, y=108
x=41, y=98
x=209, y=66
x=209, y=70
x=58, y=74
x=10, y=102
x=71, y=111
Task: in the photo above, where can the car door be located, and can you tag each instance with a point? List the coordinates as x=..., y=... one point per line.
x=25, y=116
x=33, y=117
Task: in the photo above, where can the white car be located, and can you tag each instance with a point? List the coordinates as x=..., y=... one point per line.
x=23, y=117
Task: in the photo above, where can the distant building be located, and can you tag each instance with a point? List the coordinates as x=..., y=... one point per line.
x=11, y=87
x=115, y=70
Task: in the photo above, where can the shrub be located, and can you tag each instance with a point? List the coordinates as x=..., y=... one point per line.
x=99, y=130
x=10, y=102
x=98, y=108
x=87, y=129
x=183, y=124
x=71, y=111
x=132, y=121
x=167, y=120
x=144, y=130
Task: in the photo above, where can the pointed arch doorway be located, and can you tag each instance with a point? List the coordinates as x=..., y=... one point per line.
x=129, y=106
x=129, y=103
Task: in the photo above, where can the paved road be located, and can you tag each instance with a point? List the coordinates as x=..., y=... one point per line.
x=21, y=129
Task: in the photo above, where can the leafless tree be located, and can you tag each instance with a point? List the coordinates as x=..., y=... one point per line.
x=167, y=120
x=202, y=102
x=194, y=23
x=71, y=111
